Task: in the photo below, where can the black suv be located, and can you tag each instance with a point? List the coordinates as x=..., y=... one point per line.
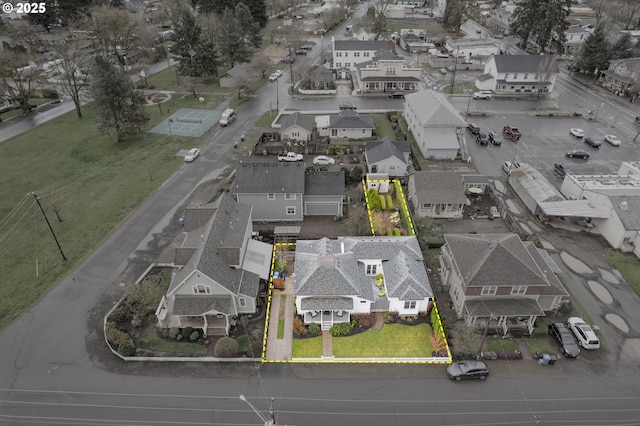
x=561, y=169
x=482, y=138
x=565, y=338
x=288, y=59
x=594, y=143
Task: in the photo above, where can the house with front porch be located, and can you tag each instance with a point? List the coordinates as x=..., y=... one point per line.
x=296, y=127
x=623, y=76
x=523, y=74
x=437, y=194
x=221, y=270
x=499, y=281
x=386, y=72
x=335, y=279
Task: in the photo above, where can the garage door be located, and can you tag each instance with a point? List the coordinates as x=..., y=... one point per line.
x=321, y=209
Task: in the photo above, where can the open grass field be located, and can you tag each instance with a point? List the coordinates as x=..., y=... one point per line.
x=169, y=79
x=394, y=340
x=90, y=181
x=628, y=266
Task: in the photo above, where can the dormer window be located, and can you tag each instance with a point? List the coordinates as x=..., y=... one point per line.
x=371, y=269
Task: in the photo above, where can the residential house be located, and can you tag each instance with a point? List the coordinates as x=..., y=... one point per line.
x=335, y=279
x=296, y=127
x=324, y=193
x=387, y=156
x=500, y=21
x=409, y=38
x=497, y=280
x=519, y=74
x=348, y=124
x=349, y=53
x=274, y=190
x=220, y=270
x=237, y=75
x=623, y=76
x=574, y=37
x=617, y=197
x=322, y=125
x=465, y=49
x=437, y=194
x=386, y=72
x=436, y=125
x=360, y=33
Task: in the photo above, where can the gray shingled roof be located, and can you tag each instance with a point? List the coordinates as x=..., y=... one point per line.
x=326, y=303
x=556, y=288
x=484, y=77
x=434, y=109
x=439, y=187
x=330, y=275
x=631, y=63
x=523, y=63
x=494, y=260
x=268, y=178
x=475, y=179
x=503, y=306
x=348, y=119
x=198, y=304
x=296, y=119
x=384, y=248
x=363, y=45
x=377, y=151
x=324, y=183
x=406, y=278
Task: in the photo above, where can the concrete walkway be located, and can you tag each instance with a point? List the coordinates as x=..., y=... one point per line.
x=327, y=345
x=280, y=349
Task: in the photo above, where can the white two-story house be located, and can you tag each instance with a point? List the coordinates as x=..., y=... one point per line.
x=349, y=53
x=519, y=74
x=386, y=72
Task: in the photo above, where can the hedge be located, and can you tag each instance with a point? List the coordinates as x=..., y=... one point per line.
x=389, y=202
x=383, y=202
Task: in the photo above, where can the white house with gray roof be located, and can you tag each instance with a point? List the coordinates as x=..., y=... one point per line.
x=349, y=53
x=388, y=157
x=220, y=268
x=386, y=72
x=435, y=124
x=348, y=124
x=296, y=127
x=498, y=280
x=335, y=279
x=274, y=190
x=437, y=194
x=519, y=74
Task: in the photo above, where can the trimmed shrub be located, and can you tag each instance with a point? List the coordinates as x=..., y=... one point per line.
x=126, y=348
x=342, y=329
x=114, y=336
x=389, y=202
x=119, y=314
x=389, y=232
x=383, y=202
x=194, y=336
x=299, y=327
x=314, y=329
x=396, y=232
x=174, y=332
x=136, y=321
x=186, y=332
x=393, y=118
x=225, y=347
x=373, y=200
x=179, y=337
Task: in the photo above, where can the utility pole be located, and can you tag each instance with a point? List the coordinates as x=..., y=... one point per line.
x=469, y=103
x=35, y=196
x=291, y=59
x=268, y=421
x=455, y=67
x=277, y=96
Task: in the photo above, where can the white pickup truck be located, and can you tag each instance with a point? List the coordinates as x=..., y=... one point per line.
x=290, y=156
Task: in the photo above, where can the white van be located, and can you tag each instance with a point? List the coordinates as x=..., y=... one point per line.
x=228, y=116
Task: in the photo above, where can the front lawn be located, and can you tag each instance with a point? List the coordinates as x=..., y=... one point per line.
x=628, y=266
x=310, y=347
x=149, y=340
x=393, y=341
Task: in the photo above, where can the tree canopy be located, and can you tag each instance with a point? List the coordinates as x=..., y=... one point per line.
x=623, y=47
x=595, y=52
x=543, y=21
x=257, y=8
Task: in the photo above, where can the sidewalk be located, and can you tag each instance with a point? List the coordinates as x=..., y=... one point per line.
x=281, y=307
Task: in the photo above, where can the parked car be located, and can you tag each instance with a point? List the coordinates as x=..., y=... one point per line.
x=561, y=169
x=443, y=71
x=495, y=138
x=396, y=95
x=348, y=105
x=473, y=128
x=192, y=154
x=592, y=142
x=301, y=52
x=273, y=77
x=568, y=345
x=468, y=370
x=578, y=133
x=451, y=68
x=585, y=335
x=484, y=94
x=288, y=59
x=577, y=153
x=482, y=138
x=613, y=140
x=278, y=72
x=323, y=160
x=507, y=167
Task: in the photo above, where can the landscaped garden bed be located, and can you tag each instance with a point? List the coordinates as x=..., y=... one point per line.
x=388, y=212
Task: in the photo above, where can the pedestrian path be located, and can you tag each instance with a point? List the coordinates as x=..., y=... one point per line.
x=281, y=307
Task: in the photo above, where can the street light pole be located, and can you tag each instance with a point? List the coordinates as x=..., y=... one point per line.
x=277, y=96
x=469, y=103
x=598, y=111
x=169, y=123
x=267, y=421
x=291, y=68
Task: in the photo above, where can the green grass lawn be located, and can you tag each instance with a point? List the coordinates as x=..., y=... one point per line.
x=499, y=345
x=394, y=340
x=266, y=119
x=170, y=79
x=383, y=127
x=150, y=341
x=280, y=328
x=307, y=348
x=90, y=179
x=628, y=266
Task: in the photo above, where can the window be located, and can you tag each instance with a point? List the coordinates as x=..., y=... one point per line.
x=489, y=290
x=242, y=302
x=201, y=289
x=519, y=289
x=427, y=206
x=271, y=196
x=526, y=76
x=356, y=54
x=515, y=76
x=295, y=134
x=364, y=131
x=371, y=269
x=289, y=196
x=506, y=76
x=346, y=54
x=410, y=304
x=291, y=210
x=391, y=70
x=338, y=64
x=347, y=64
x=338, y=54
x=366, y=54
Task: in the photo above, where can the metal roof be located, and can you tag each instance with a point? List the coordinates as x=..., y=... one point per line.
x=571, y=208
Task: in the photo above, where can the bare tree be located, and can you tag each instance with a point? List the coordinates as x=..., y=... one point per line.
x=74, y=68
x=627, y=13
x=24, y=37
x=358, y=221
x=261, y=65
x=19, y=78
x=193, y=85
x=331, y=18
x=548, y=66
x=210, y=27
x=171, y=11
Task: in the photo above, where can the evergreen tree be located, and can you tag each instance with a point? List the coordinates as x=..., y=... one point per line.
x=250, y=28
x=453, y=14
x=544, y=21
x=119, y=107
x=623, y=47
x=595, y=52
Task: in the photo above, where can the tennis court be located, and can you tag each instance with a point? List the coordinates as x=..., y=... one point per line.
x=188, y=122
